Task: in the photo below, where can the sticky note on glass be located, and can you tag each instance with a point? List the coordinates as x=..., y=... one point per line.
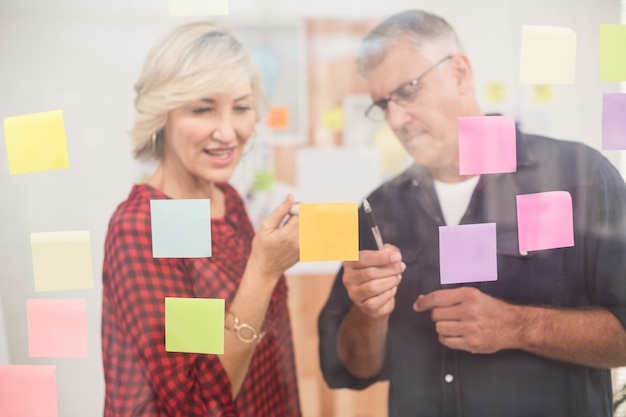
x=612, y=53
x=36, y=142
x=62, y=260
x=543, y=93
x=496, y=92
x=263, y=180
x=278, y=118
x=467, y=253
x=28, y=390
x=57, y=328
x=487, y=145
x=548, y=55
x=329, y=232
x=194, y=325
x=198, y=7
x=545, y=220
x=333, y=119
x=181, y=228
x=614, y=121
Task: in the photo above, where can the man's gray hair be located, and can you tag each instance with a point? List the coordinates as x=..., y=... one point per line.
x=431, y=36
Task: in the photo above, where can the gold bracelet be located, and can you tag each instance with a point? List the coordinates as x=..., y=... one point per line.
x=242, y=328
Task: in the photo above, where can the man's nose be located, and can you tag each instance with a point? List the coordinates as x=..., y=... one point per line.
x=397, y=115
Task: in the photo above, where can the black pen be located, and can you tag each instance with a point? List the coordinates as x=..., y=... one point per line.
x=372, y=222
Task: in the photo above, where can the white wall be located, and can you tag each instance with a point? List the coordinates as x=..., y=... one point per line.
x=83, y=56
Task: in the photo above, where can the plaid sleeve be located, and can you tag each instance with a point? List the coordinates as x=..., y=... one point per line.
x=142, y=378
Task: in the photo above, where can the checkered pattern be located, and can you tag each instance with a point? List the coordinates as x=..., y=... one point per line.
x=142, y=379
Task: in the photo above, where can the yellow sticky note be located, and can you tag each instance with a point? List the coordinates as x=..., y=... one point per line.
x=329, y=232
x=543, y=93
x=496, y=92
x=62, y=260
x=548, y=55
x=332, y=119
x=612, y=52
x=36, y=142
x=194, y=325
x=198, y=7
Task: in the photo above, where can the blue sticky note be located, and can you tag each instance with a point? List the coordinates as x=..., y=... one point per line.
x=181, y=228
x=467, y=253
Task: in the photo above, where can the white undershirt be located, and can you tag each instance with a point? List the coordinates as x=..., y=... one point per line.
x=454, y=197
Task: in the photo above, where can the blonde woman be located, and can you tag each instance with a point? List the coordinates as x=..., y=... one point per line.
x=198, y=99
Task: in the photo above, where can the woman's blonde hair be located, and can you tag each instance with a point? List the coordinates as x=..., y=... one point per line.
x=193, y=61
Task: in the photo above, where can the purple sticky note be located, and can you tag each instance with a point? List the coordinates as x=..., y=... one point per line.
x=487, y=145
x=545, y=220
x=614, y=121
x=28, y=390
x=57, y=328
x=467, y=253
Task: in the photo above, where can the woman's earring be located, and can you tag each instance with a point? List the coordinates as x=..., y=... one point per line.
x=153, y=144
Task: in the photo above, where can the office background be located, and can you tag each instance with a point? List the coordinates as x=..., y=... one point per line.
x=83, y=56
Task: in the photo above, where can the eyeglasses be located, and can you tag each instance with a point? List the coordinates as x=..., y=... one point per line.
x=403, y=95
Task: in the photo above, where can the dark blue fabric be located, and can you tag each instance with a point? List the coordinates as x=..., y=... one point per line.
x=507, y=383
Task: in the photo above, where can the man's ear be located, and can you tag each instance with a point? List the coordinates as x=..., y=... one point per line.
x=463, y=73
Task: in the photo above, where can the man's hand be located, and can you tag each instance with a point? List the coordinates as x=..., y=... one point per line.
x=468, y=319
x=372, y=281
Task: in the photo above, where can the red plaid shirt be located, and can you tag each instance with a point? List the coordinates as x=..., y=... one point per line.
x=142, y=379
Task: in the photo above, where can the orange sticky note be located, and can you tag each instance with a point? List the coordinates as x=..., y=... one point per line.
x=329, y=232
x=36, y=142
x=278, y=118
x=28, y=390
x=57, y=328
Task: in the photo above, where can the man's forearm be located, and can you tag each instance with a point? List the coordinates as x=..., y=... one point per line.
x=361, y=343
x=591, y=337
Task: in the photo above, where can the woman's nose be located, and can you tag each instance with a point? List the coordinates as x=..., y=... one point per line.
x=224, y=129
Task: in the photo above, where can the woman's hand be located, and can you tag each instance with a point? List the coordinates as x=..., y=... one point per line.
x=276, y=245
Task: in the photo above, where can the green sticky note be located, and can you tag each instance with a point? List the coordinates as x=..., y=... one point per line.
x=194, y=325
x=612, y=52
x=263, y=180
x=36, y=142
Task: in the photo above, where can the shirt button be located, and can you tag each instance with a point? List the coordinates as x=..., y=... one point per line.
x=523, y=253
x=448, y=378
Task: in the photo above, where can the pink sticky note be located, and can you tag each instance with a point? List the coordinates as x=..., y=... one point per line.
x=614, y=121
x=57, y=328
x=545, y=220
x=487, y=145
x=467, y=253
x=28, y=390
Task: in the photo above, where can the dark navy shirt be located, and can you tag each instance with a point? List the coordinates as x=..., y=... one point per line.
x=428, y=379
